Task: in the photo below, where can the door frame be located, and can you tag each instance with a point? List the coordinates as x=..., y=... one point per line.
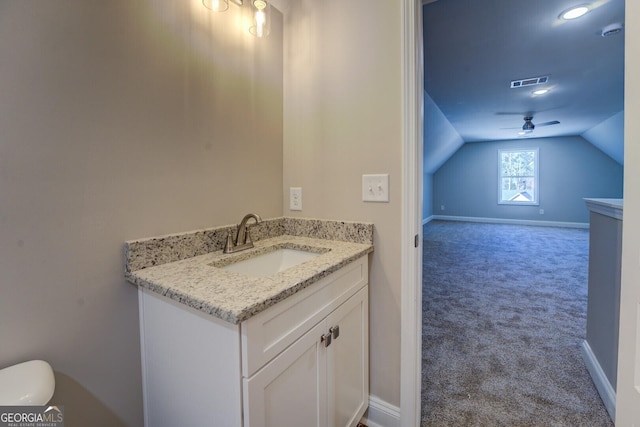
x=411, y=224
x=411, y=221
x=628, y=385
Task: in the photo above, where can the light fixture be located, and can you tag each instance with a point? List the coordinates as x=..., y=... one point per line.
x=540, y=92
x=574, y=12
x=261, y=24
x=216, y=5
x=528, y=126
x=261, y=10
x=219, y=5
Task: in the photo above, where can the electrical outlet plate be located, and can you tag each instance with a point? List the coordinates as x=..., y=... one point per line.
x=375, y=188
x=295, y=198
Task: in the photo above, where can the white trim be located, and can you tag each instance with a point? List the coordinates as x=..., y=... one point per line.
x=411, y=217
x=512, y=221
x=536, y=186
x=143, y=357
x=381, y=414
x=282, y=5
x=427, y=220
x=608, y=207
x=606, y=391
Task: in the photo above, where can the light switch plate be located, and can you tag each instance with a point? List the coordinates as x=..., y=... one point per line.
x=375, y=188
x=295, y=198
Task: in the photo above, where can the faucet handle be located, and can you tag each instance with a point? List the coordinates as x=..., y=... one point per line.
x=247, y=238
x=228, y=246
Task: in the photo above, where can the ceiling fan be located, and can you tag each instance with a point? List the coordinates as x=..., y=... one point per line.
x=529, y=126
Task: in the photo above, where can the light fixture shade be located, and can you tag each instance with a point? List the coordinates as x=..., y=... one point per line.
x=540, y=92
x=574, y=12
x=528, y=127
x=261, y=18
x=216, y=5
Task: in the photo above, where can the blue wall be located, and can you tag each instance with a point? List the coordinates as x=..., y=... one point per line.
x=570, y=168
x=440, y=138
x=427, y=195
x=608, y=136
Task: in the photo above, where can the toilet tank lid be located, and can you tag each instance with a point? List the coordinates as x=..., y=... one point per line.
x=27, y=383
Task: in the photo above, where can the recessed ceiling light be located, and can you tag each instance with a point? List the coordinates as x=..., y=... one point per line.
x=540, y=91
x=574, y=12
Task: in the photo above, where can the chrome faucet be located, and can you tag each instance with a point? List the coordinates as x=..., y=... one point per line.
x=243, y=238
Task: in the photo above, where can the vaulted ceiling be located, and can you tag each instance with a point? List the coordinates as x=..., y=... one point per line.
x=474, y=49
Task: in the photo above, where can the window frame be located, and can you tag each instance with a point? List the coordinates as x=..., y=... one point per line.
x=536, y=180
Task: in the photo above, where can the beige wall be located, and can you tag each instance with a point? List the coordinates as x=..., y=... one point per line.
x=343, y=119
x=120, y=119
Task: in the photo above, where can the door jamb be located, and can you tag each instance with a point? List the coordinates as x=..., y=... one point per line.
x=411, y=222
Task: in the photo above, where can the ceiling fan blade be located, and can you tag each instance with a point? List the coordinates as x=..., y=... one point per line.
x=529, y=113
x=553, y=122
x=513, y=113
x=519, y=127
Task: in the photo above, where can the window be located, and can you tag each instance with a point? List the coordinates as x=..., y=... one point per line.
x=518, y=177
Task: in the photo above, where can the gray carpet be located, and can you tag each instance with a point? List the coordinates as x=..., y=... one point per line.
x=504, y=314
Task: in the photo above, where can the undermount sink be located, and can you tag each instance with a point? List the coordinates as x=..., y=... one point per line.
x=270, y=262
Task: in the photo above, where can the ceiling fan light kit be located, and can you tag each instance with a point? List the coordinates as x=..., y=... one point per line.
x=528, y=126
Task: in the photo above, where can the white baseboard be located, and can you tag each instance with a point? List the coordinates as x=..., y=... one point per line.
x=606, y=391
x=381, y=414
x=512, y=221
x=427, y=220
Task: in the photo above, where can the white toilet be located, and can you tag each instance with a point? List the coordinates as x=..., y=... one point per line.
x=27, y=384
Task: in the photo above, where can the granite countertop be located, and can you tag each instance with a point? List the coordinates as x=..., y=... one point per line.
x=196, y=281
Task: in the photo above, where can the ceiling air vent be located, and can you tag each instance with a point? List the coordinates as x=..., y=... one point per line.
x=611, y=30
x=529, y=82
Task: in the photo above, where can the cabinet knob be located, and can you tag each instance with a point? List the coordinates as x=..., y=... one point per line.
x=326, y=339
x=335, y=331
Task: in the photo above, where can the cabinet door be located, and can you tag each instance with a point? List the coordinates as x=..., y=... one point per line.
x=290, y=391
x=348, y=362
x=270, y=332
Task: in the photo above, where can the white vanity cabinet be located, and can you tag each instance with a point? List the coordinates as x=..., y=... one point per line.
x=302, y=362
x=320, y=380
